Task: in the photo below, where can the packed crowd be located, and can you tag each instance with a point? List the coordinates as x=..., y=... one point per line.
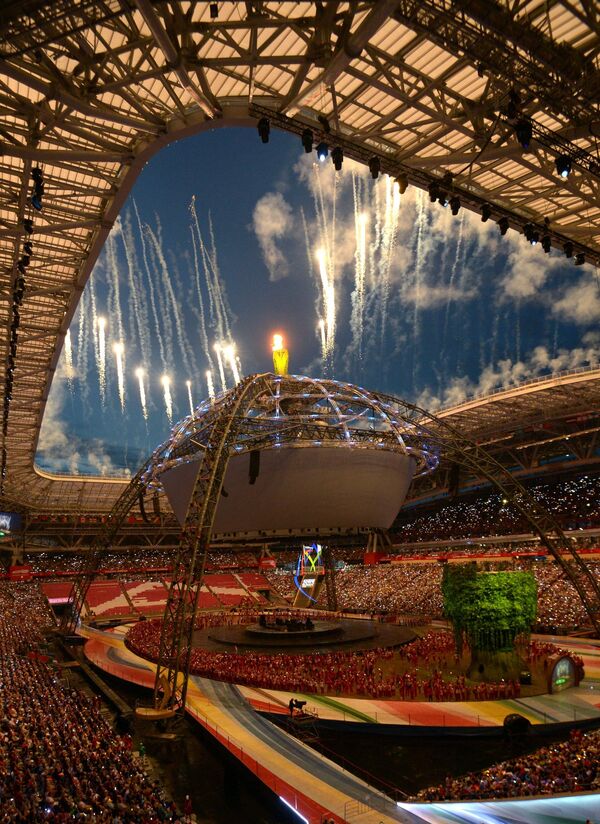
x=568, y=767
x=574, y=502
x=59, y=759
x=414, y=588
x=417, y=671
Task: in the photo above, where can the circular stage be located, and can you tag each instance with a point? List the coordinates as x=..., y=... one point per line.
x=350, y=634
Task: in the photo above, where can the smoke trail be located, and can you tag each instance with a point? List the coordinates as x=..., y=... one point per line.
x=102, y=358
x=457, y=256
x=359, y=281
x=145, y=258
x=114, y=293
x=69, y=359
x=139, y=373
x=119, y=351
x=171, y=300
x=82, y=342
x=138, y=316
x=203, y=334
x=166, y=382
x=328, y=288
x=518, y=329
x=189, y=390
x=421, y=222
x=391, y=233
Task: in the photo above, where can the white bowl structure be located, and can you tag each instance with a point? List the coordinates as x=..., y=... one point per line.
x=312, y=456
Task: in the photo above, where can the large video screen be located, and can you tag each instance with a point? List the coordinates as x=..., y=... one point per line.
x=11, y=522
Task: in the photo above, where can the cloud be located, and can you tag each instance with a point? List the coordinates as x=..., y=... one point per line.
x=272, y=220
x=507, y=373
x=59, y=450
x=580, y=302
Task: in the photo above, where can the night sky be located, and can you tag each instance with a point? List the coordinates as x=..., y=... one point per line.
x=428, y=305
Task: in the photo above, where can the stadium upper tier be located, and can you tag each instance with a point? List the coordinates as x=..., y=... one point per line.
x=545, y=415
x=490, y=94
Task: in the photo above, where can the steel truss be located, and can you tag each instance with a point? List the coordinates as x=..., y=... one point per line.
x=226, y=424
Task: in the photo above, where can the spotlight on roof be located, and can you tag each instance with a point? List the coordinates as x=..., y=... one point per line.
x=455, y=204
x=568, y=249
x=563, y=166
x=443, y=198
x=214, y=11
x=28, y=225
x=307, y=140
x=402, y=182
x=530, y=233
x=374, y=167
x=322, y=151
x=503, y=225
x=264, y=129
x=486, y=212
x=579, y=259
x=523, y=132
x=36, y=202
x=337, y=156
x=434, y=191
x=546, y=243
x=28, y=248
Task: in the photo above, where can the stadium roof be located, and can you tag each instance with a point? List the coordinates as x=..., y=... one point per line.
x=90, y=89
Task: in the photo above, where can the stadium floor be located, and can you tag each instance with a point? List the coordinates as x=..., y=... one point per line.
x=285, y=764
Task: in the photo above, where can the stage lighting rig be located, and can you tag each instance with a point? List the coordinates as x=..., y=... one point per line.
x=579, y=259
x=402, y=182
x=455, y=204
x=434, y=191
x=563, y=166
x=523, y=131
x=503, y=225
x=568, y=249
x=307, y=140
x=374, y=167
x=337, y=157
x=264, y=129
x=322, y=151
x=486, y=212
x=546, y=243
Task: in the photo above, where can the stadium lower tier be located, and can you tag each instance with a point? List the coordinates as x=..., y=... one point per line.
x=315, y=787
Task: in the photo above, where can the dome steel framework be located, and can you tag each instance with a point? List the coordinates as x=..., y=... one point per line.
x=432, y=88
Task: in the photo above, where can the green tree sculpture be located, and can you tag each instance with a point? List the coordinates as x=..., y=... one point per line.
x=489, y=609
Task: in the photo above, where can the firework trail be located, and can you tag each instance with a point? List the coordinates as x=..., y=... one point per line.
x=166, y=382
x=360, y=270
x=210, y=385
x=328, y=287
x=119, y=351
x=69, y=359
x=453, y=271
x=171, y=301
x=139, y=373
x=189, y=391
x=82, y=341
x=217, y=348
x=421, y=223
x=392, y=214
x=221, y=304
x=114, y=291
x=229, y=352
x=138, y=316
x=151, y=292
x=323, y=338
x=102, y=358
x=319, y=299
x=195, y=232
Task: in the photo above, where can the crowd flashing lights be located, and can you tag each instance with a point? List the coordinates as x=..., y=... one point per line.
x=563, y=166
x=322, y=151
